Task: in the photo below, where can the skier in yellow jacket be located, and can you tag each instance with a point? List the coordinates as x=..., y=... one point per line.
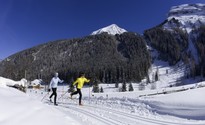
x=80, y=82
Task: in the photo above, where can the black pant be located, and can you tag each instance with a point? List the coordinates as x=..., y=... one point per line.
x=80, y=94
x=55, y=94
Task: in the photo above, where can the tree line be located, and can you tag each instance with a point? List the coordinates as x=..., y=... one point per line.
x=103, y=57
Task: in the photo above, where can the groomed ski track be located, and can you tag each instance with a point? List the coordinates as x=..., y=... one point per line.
x=90, y=114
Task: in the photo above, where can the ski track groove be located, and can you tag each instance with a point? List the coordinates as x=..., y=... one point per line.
x=158, y=122
x=112, y=121
x=92, y=115
x=133, y=118
x=111, y=118
x=122, y=114
x=114, y=114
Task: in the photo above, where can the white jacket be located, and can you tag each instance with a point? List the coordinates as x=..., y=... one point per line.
x=54, y=82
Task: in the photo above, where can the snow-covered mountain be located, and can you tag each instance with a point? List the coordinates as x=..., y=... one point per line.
x=111, y=29
x=183, y=31
x=186, y=17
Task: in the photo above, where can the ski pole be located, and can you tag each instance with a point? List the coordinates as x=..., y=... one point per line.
x=89, y=94
x=44, y=96
x=62, y=95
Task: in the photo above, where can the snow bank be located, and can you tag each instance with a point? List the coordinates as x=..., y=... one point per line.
x=9, y=82
x=36, y=82
x=19, y=109
x=192, y=97
x=187, y=104
x=167, y=109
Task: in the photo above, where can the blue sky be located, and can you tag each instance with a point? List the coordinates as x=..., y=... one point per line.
x=27, y=23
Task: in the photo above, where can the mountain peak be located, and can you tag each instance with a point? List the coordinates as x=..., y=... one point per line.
x=187, y=9
x=111, y=29
x=186, y=16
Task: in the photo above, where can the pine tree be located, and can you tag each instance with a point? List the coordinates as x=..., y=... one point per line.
x=157, y=75
x=131, y=87
x=193, y=68
x=101, y=90
x=116, y=85
x=124, y=87
x=96, y=87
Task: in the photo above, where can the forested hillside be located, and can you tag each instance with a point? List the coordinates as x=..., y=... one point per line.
x=103, y=57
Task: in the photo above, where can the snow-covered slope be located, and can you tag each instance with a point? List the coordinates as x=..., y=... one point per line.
x=188, y=104
x=186, y=17
x=111, y=29
x=19, y=109
x=122, y=108
x=181, y=108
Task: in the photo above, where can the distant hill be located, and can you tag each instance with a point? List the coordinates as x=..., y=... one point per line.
x=104, y=57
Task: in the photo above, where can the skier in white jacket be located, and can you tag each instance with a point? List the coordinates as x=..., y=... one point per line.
x=53, y=85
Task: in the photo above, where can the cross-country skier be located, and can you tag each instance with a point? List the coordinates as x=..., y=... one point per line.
x=53, y=85
x=80, y=82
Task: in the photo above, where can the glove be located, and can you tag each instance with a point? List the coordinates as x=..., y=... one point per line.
x=49, y=90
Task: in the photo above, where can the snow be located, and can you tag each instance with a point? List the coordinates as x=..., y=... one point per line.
x=36, y=82
x=190, y=16
x=111, y=29
x=172, y=100
x=177, y=108
x=192, y=7
x=17, y=108
x=180, y=105
x=187, y=104
x=168, y=75
x=187, y=17
x=9, y=82
x=185, y=98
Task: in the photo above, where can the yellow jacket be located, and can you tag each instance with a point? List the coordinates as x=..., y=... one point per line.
x=81, y=82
